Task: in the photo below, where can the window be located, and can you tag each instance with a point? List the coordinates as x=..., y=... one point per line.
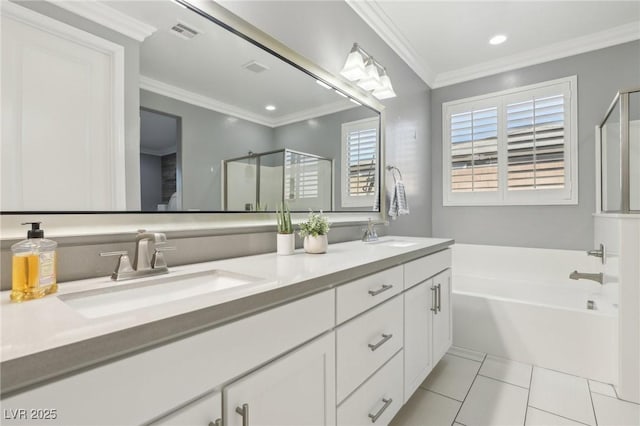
x=512, y=147
x=301, y=176
x=359, y=162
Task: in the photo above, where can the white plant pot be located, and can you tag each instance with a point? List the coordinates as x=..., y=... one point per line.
x=286, y=244
x=316, y=245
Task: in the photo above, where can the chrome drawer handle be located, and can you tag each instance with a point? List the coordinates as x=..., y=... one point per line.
x=385, y=338
x=439, y=298
x=384, y=287
x=434, y=299
x=244, y=412
x=387, y=403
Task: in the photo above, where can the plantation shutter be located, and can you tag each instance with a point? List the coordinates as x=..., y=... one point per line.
x=301, y=176
x=361, y=159
x=474, y=150
x=536, y=143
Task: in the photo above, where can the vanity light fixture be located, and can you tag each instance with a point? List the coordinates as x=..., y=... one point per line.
x=270, y=108
x=367, y=73
x=498, y=39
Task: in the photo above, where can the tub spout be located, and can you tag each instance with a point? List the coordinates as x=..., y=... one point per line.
x=599, y=278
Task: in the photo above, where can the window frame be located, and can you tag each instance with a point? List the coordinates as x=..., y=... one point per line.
x=348, y=200
x=568, y=195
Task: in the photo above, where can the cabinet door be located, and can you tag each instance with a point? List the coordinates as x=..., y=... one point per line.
x=442, y=326
x=417, y=336
x=296, y=390
x=206, y=411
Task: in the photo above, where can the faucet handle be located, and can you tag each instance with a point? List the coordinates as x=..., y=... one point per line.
x=157, y=260
x=123, y=265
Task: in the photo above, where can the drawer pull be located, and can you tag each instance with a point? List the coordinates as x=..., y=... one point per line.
x=387, y=403
x=244, y=412
x=439, y=298
x=384, y=287
x=385, y=338
x=218, y=422
x=434, y=299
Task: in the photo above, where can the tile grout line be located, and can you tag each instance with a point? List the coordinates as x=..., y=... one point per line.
x=526, y=409
x=593, y=407
x=505, y=382
x=614, y=397
x=468, y=391
x=440, y=394
x=467, y=358
x=558, y=415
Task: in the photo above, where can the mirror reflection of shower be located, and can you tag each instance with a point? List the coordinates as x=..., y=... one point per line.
x=160, y=140
x=261, y=181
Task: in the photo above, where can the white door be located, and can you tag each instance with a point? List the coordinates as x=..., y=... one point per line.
x=206, y=411
x=417, y=336
x=296, y=390
x=442, y=325
x=62, y=115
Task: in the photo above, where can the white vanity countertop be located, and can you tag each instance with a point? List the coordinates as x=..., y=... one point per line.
x=46, y=338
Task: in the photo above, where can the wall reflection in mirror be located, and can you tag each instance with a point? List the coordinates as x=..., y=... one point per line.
x=189, y=117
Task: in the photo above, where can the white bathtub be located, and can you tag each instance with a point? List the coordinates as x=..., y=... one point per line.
x=518, y=303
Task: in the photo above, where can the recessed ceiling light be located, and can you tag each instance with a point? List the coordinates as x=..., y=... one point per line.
x=498, y=39
x=270, y=108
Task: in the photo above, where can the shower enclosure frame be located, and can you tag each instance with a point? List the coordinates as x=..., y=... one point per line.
x=257, y=156
x=622, y=99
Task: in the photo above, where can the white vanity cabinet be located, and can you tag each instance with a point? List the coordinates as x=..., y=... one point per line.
x=206, y=411
x=442, y=319
x=297, y=389
x=417, y=336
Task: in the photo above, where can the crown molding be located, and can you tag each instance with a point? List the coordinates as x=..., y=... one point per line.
x=206, y=102
x=575, y=46
x=108, y=17
x=377, y=19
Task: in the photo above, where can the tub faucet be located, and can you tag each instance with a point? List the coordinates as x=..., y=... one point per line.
x=599, y=278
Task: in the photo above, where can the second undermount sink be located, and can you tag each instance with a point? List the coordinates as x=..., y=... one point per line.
x=151, y=292
x=391, y=242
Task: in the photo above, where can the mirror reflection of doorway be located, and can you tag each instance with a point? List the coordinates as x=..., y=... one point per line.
x=160, y=182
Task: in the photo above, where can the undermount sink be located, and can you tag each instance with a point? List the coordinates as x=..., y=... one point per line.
x=151, y=292
x=392, y=243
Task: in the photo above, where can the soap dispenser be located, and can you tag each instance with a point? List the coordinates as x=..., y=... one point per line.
x=34, y=266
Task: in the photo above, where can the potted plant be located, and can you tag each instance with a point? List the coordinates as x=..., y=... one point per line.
x=314, y=231
x=286, y=239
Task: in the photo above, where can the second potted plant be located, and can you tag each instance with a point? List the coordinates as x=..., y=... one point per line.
x=286, y=239
x=314, y=231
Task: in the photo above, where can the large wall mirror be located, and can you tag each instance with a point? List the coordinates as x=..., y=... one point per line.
x=162, y=106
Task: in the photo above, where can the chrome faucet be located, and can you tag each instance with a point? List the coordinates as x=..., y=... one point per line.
x=144, y=263
x=599, y=278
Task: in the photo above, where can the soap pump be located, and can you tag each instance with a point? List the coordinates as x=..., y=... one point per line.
x=34, y=266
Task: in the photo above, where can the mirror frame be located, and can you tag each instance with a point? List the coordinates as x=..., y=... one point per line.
x=85, y=227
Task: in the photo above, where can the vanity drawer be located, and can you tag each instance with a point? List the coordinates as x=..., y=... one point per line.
x=367, y=342
x=426, y=267
x=362, y=294
x=379, y=398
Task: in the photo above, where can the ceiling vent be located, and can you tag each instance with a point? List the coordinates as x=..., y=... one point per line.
x=184, y=31
x=256, y=67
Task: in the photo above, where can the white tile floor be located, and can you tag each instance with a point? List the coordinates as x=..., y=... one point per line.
x=469, y=388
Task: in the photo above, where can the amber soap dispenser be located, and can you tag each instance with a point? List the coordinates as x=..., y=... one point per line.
x=34, y=266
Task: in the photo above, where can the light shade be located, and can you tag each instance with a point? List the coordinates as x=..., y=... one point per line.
x=386, y=90
x=372, y=79
x=354, y=66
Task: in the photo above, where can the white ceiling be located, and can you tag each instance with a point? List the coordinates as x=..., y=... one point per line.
x=446, y=42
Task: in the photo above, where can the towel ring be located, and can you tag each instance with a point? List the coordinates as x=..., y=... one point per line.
x=393, y=170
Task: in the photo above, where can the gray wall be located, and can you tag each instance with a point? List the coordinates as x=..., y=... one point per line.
x=323, y=31
x=131, y=84
x=600, y=74
x=208, y=137
x=150, y=181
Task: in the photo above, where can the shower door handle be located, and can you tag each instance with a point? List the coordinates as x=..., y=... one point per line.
x=434, y=299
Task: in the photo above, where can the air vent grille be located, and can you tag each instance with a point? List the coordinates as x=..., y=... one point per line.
x=182, y=30
x=254, y=66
